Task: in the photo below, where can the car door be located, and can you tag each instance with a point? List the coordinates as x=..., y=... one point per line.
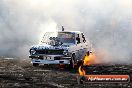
x=82, y=46
x=79, y=46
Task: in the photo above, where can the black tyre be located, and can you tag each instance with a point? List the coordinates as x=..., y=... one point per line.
x=79, y=63
x=35, y=64
x=72, y=62
x=88, y=53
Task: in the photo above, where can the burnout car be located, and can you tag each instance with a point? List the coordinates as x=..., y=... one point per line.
x=60, y=47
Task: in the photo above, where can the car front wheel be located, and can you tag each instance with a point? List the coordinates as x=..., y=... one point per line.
x=35, y=64
x=72, y=62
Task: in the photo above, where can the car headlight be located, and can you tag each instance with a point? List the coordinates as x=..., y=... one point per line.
x=33, y=52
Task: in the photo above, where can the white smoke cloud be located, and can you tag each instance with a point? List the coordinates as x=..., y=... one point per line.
x=107, y=23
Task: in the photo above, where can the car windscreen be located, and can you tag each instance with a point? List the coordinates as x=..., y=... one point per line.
x=65, y=37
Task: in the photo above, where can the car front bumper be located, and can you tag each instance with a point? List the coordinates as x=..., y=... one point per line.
x=50, y=59
x=39, y=61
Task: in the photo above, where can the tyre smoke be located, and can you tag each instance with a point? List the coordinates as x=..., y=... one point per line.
x=106, y=23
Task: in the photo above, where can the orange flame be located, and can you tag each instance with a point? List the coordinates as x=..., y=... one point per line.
x=88, y=60
x=81, y=71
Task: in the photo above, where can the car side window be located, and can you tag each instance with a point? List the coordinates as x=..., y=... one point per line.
x=84, y=40
x=78, y=39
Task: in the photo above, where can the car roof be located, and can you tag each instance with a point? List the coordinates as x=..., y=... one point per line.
x=71, y=31
x=77, y=32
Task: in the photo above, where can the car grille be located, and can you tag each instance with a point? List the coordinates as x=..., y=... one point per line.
x=50, y=52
